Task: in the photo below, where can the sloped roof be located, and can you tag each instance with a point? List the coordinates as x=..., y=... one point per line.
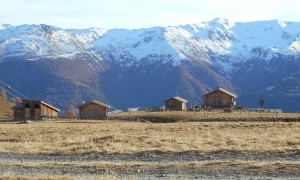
x=21, y=106
x=18, y=106
x=223, y=90
x=178, y=98
x=96, y=102
x=46, y=104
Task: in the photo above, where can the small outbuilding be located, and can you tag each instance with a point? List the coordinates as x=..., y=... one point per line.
x=219, y=98
x=34, y=110
x=176, y=103
x=93, y=110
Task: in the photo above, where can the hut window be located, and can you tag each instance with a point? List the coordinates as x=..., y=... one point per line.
x=27, y=105
x=37, y=105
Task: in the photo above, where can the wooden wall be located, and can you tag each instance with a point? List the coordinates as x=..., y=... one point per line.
x=218, y=99
x=174, y=104
x=19, y=114
x=93, y=111
x=48, y=112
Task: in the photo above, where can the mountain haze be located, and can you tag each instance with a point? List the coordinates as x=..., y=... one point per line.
x=144, y=67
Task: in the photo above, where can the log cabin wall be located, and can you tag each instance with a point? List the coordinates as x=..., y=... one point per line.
x=93, y=111
x=218, y=99
x=174, y=104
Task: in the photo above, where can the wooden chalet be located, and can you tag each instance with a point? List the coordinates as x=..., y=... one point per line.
x=176, y=103
x=34, y=110
x=93, y=110
x=219, y=98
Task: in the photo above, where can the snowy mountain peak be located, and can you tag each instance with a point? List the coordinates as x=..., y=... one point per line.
x=129, y=66
x=219, y=42
x=220, y=23
x=4, y=26
x=96, y=31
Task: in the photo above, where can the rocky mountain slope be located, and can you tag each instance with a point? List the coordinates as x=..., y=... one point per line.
x=143, y=67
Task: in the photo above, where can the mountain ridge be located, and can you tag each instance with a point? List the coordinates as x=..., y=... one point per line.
x=187, y=60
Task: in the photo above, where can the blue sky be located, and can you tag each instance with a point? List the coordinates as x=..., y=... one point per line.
x=142, y=13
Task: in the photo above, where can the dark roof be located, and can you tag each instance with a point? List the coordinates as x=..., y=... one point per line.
x=18, y=106
x=21, y=106
x=223, y=90
x=96, y=102
x=178, y=98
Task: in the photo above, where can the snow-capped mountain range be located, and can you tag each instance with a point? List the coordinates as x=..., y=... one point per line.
x=245, y=57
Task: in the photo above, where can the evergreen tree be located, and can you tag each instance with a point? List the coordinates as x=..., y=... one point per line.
x=261, y=103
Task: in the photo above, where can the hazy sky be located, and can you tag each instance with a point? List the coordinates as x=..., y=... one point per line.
x=142, y=13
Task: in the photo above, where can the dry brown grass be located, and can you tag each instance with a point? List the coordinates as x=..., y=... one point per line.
x=154, y=165
x=92, y=137
x=214, y=115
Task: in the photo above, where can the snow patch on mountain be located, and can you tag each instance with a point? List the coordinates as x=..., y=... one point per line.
x=36, y=41
x=186, y=44
x=215, y=34
x=272, y=36
x=87, y=36
x=295, y=46
x=135, y=45
x=4, y=26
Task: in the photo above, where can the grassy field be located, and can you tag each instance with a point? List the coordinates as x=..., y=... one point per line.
x=123, y=137
x=204, y=134
x=214, y=115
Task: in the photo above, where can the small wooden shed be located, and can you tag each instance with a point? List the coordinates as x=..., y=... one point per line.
x=176, y=103
x=34, y=110
x=93, y=110
x=219, y=98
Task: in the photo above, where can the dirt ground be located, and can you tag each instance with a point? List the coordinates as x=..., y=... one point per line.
x=228, y=165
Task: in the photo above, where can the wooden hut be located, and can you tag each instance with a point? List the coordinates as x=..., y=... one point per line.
x=219, y=98
x=34, y=110
x=176, y=104
x=93, y=110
